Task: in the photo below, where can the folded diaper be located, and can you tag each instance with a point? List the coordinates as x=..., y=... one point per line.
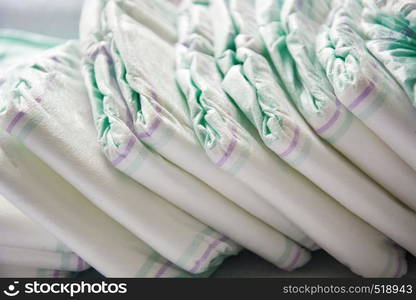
x=321, y=164
x=41, y=259
x=74, y=219
x=250, y=82
x=222, y=125
x=18, y=231
x=157, y=15
x=289, y=34
x=194, y=54
x=143, y=130
x=35, y=103
x=7, y=271
x=362, y=84
x=26, y=244
x=79, y=223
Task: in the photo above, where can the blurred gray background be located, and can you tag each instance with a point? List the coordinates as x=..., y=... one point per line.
x=57, y=18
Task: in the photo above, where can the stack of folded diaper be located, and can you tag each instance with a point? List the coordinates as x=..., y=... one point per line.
x=28, y=250
x=173, y=134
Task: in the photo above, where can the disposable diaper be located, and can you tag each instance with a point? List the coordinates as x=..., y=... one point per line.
x=195, y=64
x=45, y=105
x=322, y=164
x=251, y=83
x=143, y=130
x=362, y=84
x=105, y=244
x=24, y=243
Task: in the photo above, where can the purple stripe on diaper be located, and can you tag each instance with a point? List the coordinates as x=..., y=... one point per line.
x=331, y=121
x=399, y=266
x=230, y=149
x=80, y=264
x=163, y=269
x=17, y=118
x=367, y=91
x=93, y=54
x=56, y=59
x=293, y=144
x=56, y=274
x=14, y=121
x=207, y=252
x=101, y=48
x=104, y=50
x=155, y=124
x=295, y=259
x=126, y=152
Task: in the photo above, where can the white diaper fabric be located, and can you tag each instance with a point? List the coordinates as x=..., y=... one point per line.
x=157, y=15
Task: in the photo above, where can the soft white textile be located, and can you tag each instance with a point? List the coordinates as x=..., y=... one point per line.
x=46, y=106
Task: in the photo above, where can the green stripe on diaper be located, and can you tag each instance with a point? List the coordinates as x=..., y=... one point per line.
x=28, y=128
x=239, y=163
x=184, y=259
x=300, y=158
x=60, y=247
x=65, y=261
x=168, y=133
x=140, y=158
x=41, y=273
x=288, y=250
x=148, y=264
x=342, y=130
x=29, y=39
x=144, y=151
x=387, y=268
x=194, y=246
x=374, y=106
